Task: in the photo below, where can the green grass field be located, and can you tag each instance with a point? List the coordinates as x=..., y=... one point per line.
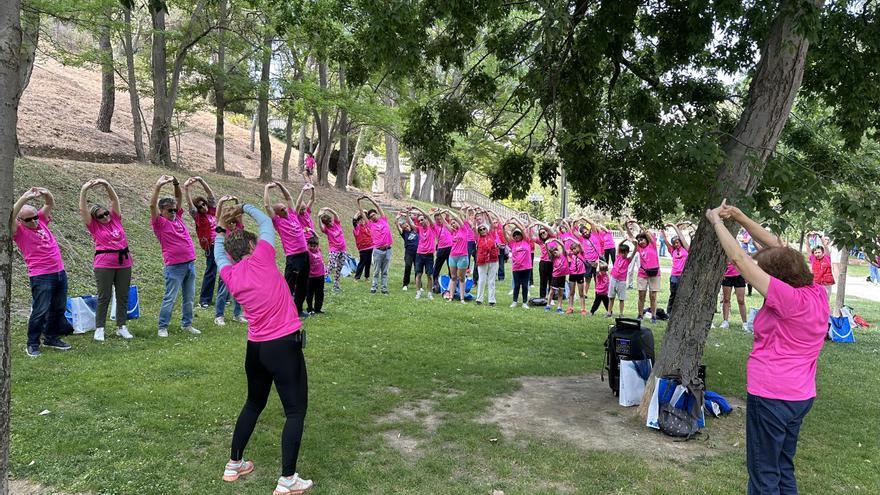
x=155, y=416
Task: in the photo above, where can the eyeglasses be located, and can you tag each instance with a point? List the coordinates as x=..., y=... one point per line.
x=31, y=219
x=102, y=215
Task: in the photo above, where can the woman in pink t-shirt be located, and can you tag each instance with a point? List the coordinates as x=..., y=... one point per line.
x=303, y=209
x=293, y=241
x=112, y=264
x=790, y=331
x=649, y=266
x=459, y=259
x=274, y=344
x=541, y=234
x=678, y=248
x=521, y=259
x=309, y=169
x=336, y=247
x=734, y=282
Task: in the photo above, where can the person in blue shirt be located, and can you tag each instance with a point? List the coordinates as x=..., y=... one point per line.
x=410, y=243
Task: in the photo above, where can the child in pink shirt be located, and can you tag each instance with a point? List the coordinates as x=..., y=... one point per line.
x=559, y=258
x=336, y=247
x=317, y=273
x=602, y=283
x=577, y=269
x=617, y=281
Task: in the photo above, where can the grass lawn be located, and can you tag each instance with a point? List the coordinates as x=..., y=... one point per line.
x=155, y=416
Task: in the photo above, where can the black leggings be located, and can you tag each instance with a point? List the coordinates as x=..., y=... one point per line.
x=296, y=273
x=441, y=259
x=521, y=281
x=610, y=256
x=364, y=263
x=600, y=299
x=280, y=361
x=545, y=273
x=409, y=258
x=315, y=296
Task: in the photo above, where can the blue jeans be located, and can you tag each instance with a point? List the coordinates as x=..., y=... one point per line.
x=772, y=428
x=49, y=293
x=207, y=292
x=875, y=274
x=662, y=249
x=223, y=296
x=181, y=276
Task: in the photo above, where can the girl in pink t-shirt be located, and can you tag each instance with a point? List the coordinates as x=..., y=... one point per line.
x=617, y=282
x=541, y=234
x=678, y=248
x=559, y=259
x=520, y=259
x=577, y=269
x=309, y=168
x=317, y=272
x=602, y=284
x=112, y=265
x=332, y=228
x=304, y=209
x=459, y=259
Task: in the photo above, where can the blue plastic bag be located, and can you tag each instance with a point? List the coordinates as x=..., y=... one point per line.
x=468, y=285
x=134, y=307
x=350, y=266
x=715, y=404
x=840, y=330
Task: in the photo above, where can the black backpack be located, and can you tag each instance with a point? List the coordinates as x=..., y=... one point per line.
x=682, y=423
x=627, y=339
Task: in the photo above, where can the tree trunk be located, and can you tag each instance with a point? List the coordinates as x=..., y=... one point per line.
x=438, y=188
x=416, y=183
x=254, y=120
x=354, y=158
x=801, y=240
x=28, y=25
x=288, y=147
x=108, y=77
x=428, y=187
x=342, y=162
x=392, y=167
x=220, y=92
x=263, y=110
x=841, y=280
x=301, y=155
x=326, y=147
x=771, y=93
x=160, y=139
x=132, y=88
x=10, y=93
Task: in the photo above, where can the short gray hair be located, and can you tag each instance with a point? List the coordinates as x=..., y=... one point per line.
x=166, y=202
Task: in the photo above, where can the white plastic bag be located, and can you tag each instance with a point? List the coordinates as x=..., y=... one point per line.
x=632, y=384
x=82, y=316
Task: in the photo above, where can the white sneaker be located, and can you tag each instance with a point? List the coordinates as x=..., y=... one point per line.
x=124, y=333
x=510, y=292
x=725, y=324
x=163, y=332
x=191, y=330
x=219, y=321
x=430, y=295
x=240, y=319
x=99, y=334
x=514, y=304
x=405, y=289
x=292, y=485
x=525, y=305
x=419, y=294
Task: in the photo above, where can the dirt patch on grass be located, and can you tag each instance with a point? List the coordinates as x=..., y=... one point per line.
x=582, y=410
x=24, y=487
x=424, y=413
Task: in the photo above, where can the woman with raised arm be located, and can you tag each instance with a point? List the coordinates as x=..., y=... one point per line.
x=649, y=267
x=293, y=241
x=424, y=256
x=223, y=296
x=204, y=211
x=444, y=247
x=820, y=262
x=274, y=345
x=407, y=231
x=678, y=248
x=304, y=209
x=458, y=255
x=487, y=259
x=545, y=267
x=790, y=331
x=608, y=244
x=363, y=239
x=336, y=247
x=382, y=243
x=521, y=259
x=112, y=264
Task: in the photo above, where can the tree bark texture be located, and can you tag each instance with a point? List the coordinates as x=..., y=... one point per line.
x=416, y=183
x=10, y=93
x=428, y=187
x=29, y=31
x=392, y=167
x=300, y=159
x=220, y=91
x=352, y=168
x=841, y=280
x=108, y=78
x=134, y=98
x=160, y=138
x=326, y=146
x=288, y=147
x=263, y=110
x=771, y=94
x=342, y=162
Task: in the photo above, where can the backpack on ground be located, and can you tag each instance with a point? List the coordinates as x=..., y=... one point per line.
x=839, y=330
x=683, y=418
x=627, y=339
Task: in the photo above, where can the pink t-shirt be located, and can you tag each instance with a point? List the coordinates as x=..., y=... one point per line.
x=444, y=237
x=602, y=281
x=459, y=242
x=648, y=257
x=567, y=239
x=335, y=236
x=177, y=245
x=679, y=258
x=106, y=236
x=545, y=255
x=607, y=240
x=471, y=237
x=560, y=266
x=293, y=239
x=381, y=233
x=620, y=268
x=256, y=283
x=205, y=225
x=520, y=254
x=310, y=163
x=427, y=239
x=305, y=220
x=790, y=330
x=316, y=263
x=592, y=246
x=731, y=271
x=39, y=247
x=577, y=264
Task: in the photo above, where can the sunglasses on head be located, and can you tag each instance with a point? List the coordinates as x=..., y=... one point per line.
x=31, y=219
x=102, y=215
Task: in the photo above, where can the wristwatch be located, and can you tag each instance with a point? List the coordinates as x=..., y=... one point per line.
x=220, y=230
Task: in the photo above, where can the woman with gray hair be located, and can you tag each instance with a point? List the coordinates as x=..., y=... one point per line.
x=112, y=264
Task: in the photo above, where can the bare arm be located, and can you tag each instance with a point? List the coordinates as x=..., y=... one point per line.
x=759, y=234
x=332, y=212
x=361, y=206
x=83, y=203
x=28, y=195
x=114, y=198
x=750, y=270
x=186, y=185
x=684, y=243
x=287, y=197
x=267, y=201
x=311, y=201
x=178, y=193
x=378, y=208
x=48, y=201
x=208, y=191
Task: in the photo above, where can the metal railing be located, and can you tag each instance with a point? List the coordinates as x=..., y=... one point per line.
x=466, y=195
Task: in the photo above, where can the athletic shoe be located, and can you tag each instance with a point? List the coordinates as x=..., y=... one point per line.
x=405, y=289
x=609, y=314
x=462, y=301
x=478, y=302
x=653, y=320
x=319, y=312
x=234, y=470
x=124, y=333
x=372, y=290
x=204, y=306
x=559, y=311
x=337, y=290
x=163, y=332
x=547, y=308
x=191, y=330
x=33, y=350
x=510, y=292
x=514, y=304
x=569, y=311
x=220, y=321
x=99, y=334
x=584, y=312
x=725, y=324
x=292, y=485
x=240, y=319
x=430, y=295
x=57, y=343
x=384, y=292
x=418, y=294
x=491, y=305
x=303, y=315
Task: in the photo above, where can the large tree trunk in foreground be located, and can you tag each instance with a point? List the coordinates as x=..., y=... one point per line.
x=771, y=94
x=263, y=110
x=841, y=281
x=10, y=51
x=108, y=78
x=134, y=98
x=28, y=28
x=220, y=92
